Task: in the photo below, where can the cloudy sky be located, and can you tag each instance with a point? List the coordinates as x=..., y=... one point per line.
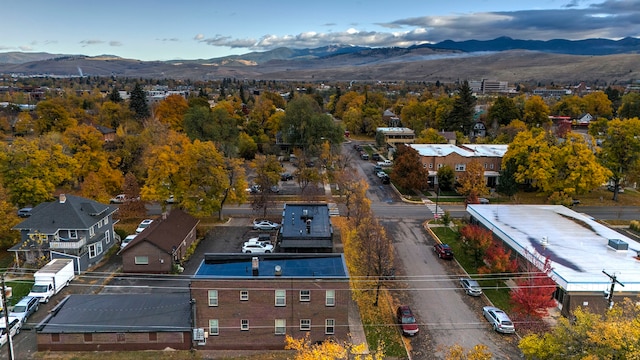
x=203, y=29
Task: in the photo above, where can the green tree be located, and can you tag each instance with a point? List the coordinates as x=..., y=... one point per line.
x=306, y=126
x=114, y=96
x=630, y=106
x=408, y=171
x=507, y=184
x=446, y=178
x=461, y=115
x=138, y=103
x=503, y=111
x=247, y=147
x=621, y=150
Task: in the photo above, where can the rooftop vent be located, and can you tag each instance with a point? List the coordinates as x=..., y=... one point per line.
x=278, y=270
x=618, y=245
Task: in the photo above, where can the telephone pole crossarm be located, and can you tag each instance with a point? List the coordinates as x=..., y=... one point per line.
x=614, y=281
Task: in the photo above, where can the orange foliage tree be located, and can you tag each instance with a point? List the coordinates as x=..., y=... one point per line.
x=498, y=260
x=476, y=240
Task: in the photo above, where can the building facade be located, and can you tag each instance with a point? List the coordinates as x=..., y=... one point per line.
x=252, y=302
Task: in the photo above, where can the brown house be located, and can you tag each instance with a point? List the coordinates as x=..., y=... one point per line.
x=161, y=245
x=251, y=302
x=123, y=322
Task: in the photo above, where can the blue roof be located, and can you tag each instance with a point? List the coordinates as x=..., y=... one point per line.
x=292, y=266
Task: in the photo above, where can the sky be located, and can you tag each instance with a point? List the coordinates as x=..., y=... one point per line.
x=204, y=29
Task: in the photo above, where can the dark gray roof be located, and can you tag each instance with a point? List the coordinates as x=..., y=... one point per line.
x=120, y=313
x=74, y=213
x=294, y=222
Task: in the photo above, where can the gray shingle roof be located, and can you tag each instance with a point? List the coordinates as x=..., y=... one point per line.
x=120, y=313
x=74, y=213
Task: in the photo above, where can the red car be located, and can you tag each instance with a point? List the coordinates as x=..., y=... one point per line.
x=407, y=321
x=444, y=251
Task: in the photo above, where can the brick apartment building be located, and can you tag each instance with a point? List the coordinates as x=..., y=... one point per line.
x=249, y=301
x=435, y=156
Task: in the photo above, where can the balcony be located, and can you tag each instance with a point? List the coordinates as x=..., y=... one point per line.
x=68, y=244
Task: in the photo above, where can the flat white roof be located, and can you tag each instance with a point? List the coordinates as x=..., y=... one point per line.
x=488, y=150
x=576, y=244
x=441, y=150
x=396, y=130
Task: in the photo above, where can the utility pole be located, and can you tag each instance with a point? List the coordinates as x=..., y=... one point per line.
x=6, y=320
x=614, y=281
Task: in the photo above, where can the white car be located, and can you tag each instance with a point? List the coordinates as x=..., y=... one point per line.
x=498, y=320
x=126, y=241
x=143, y=225
x=265, y=225
x=251, y=247
x=14, y=328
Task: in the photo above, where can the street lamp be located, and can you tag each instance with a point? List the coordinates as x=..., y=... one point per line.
x=436, y=216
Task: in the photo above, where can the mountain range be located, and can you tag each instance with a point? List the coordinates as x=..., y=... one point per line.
x=500, y=59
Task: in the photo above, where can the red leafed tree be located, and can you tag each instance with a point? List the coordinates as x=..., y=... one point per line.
x=533, y=295
x=498, y=260
x=476, y=240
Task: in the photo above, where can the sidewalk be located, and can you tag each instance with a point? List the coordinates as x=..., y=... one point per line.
x=356, y=330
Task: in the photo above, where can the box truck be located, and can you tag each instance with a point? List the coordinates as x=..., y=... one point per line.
x=52, y=278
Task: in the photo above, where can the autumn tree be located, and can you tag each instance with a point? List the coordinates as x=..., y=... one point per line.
x=476, y=240
x=478, y=352
x=330, y=350
x=134, y=207
x=430, y=136
x=598, y=104
x=378, y=253
x=536, y=112
x=171, y=111
x=53, y=116
x=267, y=170
x=138, y=103
x=33, y=169
x=506, y=133
x=621, y=150
x=472, y=184
x=586, y=335
x=8, y=237
x=533, y=295
x=408, y=171
x=572, y=106
x=498, y=260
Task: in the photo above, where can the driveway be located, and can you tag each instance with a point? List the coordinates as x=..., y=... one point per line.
x=446, y=314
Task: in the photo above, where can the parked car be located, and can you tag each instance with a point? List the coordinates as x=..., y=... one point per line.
x=386, y=179
x=377, y=168
x=143, y=225
x=407, y=321
x=483, y=200
x=251, y=247
x=471, y=287
x=170, y=200
x=14, y=328
x=275, y=189
x=25, y=212
x=364, y=156
x=376, y=157
x=498, y=320
x=24, y=308
x=613, y=188
x=444, y=251
x=127, y=240
x=254, y=189
x=265, y=225
x=120, y=199
x=286, y=177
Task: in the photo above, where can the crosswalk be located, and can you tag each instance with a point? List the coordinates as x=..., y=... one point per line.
x=432, y=207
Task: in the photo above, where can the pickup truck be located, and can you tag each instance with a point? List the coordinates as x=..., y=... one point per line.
x=386, y=162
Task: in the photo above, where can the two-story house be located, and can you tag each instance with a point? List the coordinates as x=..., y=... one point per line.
x=70, y=228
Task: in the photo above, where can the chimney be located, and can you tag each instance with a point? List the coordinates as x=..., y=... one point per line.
x=63, y=198
x=308, y=226
x=254, y=265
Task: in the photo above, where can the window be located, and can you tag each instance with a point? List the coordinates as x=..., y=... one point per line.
x=55, y=338
x=73, y=234
x=244, y=325
x=153, y=336
x=99, y=223
x=281, y=298
x=486, y=166
x=440, y=165
x=461, y=167
x=92, y=231
x=213, y=327
x=95, y=250
x=305, y=295
x=305, y=324
x=141, y=260
x=88, y=337
x=491, y=166
x=213, y=297
x=430, y=165
x=280, y=326
x=120, y=337
x=244, y=295
x=329, y=326
x=107, y=237
x=330, y=298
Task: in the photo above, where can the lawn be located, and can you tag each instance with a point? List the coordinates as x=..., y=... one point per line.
x=495, y=289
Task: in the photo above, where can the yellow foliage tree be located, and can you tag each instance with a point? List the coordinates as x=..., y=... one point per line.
x=329, y=350
x=171, y=111
x=478, y=352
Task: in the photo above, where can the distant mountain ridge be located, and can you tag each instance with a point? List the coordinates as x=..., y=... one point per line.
x=501, y=58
